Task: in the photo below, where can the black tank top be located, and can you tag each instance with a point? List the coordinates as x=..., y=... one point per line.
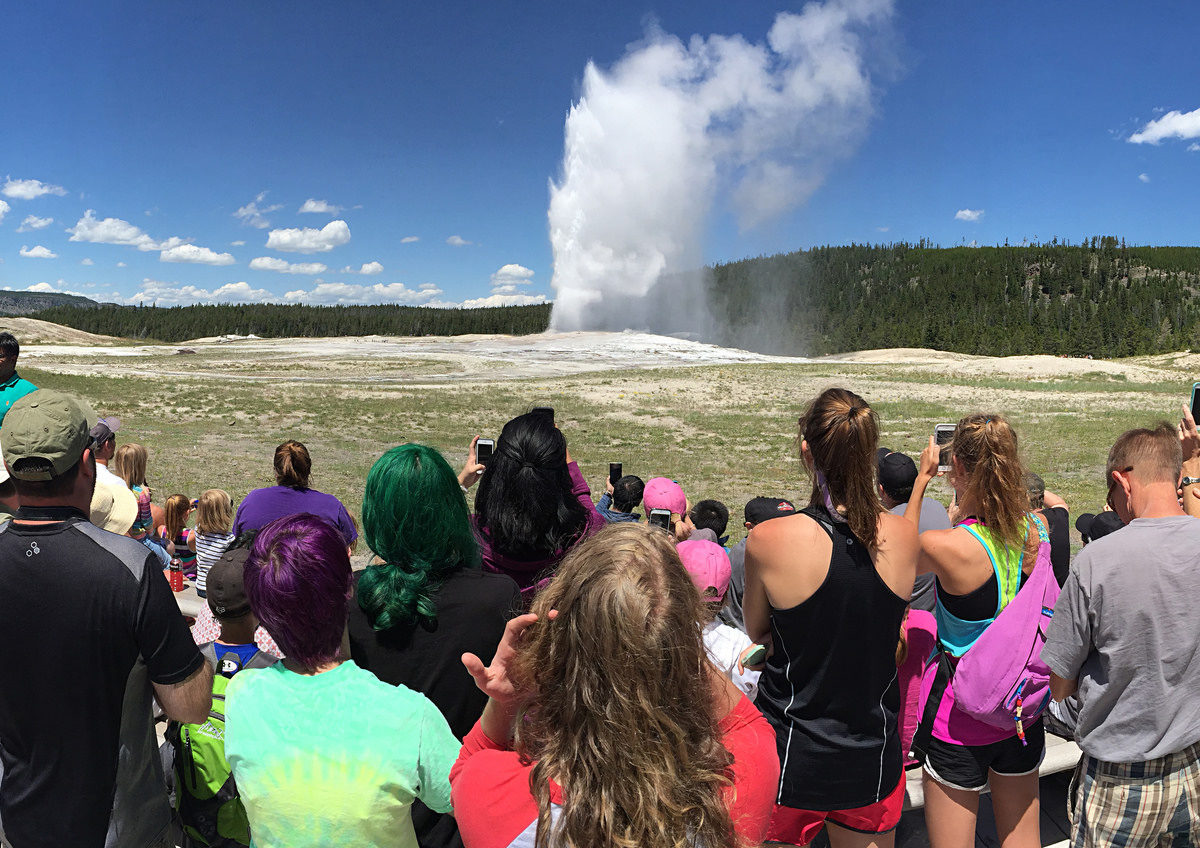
x=830, y=688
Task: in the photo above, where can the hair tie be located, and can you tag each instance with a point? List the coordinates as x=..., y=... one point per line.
x=823, y=486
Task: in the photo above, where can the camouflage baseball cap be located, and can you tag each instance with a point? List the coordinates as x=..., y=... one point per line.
x=44, y=434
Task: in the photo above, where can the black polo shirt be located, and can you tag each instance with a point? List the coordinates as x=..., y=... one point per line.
x=88, y=622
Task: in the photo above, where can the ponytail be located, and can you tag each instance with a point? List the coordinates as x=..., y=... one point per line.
x=292, y=465
x=986, y=449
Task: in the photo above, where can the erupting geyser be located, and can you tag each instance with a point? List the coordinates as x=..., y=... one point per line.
x=657, y=138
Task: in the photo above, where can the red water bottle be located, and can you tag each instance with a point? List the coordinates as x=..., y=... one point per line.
x=176, y=576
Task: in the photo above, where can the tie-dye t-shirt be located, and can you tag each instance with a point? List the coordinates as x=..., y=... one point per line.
x=334, y=758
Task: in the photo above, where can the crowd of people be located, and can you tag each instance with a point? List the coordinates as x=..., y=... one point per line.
x=518, y=665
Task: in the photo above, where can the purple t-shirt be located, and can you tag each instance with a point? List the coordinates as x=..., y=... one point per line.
x=262, y=506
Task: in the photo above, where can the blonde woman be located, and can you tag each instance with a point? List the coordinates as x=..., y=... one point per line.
x=214, y=518
x=605, y=724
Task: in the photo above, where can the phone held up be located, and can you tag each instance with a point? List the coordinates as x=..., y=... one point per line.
x=614, y=472
x=1196, y=401
x=943, y=434
x=483, y=450
x=660, y=518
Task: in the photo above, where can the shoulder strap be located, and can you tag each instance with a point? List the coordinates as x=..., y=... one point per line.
x=818, y=515
x=924, y=732
x=260, y=659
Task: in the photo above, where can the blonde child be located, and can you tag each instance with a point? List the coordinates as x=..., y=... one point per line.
x=214, y=518
x=175, y=530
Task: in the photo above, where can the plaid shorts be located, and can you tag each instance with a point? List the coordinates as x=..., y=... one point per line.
x=1128, y=805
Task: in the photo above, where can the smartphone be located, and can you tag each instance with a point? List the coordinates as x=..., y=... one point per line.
x=483, y=450
x=1195, y=401
x=614, y=472
x=548, y=411
x=943, y=434
x=660, y=518
x=757, y=656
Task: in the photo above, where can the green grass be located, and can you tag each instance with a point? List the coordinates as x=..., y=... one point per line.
x=725, y=432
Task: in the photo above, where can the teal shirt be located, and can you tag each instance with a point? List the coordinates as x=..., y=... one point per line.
x=12, y=390
x=334, y=758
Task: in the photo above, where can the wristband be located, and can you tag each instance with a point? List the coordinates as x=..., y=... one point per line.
x=1189, y=481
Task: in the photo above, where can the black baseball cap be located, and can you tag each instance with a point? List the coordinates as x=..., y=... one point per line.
x=1092, y=526
x=897, y=473
x=761, y=509
x=226, y=591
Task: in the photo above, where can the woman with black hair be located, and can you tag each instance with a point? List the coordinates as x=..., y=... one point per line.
x=533, y=504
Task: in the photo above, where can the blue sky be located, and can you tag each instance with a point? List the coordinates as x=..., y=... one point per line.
x=426, y=136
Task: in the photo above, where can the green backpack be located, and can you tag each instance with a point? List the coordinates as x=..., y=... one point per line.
x=206, y=798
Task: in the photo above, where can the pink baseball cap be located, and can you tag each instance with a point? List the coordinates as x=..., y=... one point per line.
x=661, y=493
x=708, y=565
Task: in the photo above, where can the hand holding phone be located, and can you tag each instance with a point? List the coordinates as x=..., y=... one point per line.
x=614, y=472
x=483, y=450
x=661, y=518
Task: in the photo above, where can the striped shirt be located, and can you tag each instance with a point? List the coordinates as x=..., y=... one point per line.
x=209, y=547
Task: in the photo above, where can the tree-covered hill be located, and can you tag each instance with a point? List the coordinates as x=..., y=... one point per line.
x=178, y=323
x=1102, y=297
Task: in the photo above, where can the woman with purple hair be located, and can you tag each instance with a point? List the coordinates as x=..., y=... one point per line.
x=323, y=752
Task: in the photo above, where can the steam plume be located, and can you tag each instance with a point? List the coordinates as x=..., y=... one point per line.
x=671, y=127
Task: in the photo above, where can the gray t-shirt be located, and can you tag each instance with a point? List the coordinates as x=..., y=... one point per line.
x=1126, y=627
x=933, y=517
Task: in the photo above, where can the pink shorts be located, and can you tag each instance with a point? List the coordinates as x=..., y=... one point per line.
x=800, y=827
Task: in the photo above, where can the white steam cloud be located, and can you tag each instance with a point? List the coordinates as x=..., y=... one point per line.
x=655, y=140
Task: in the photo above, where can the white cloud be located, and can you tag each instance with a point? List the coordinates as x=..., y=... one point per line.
x=321, y=207
x=33, y=222
x=368, y=269
x=331, y=294
x=308, y=240
x=38, y=252
x=1193, y=147
x=29, y=189
x=122, y=265
x=194, y=254
x=4, y=207
x=502, y=300
x=87, y=262
x=53, y=288
x=271, y=263
x=512, y=275
x=882, y=229
x=1175, y=124
x=1144, y=177
x=968, y=215
x=238, y=243
x=253, y=215
x=409, y=239
x=173, y=294
x=117, y=231
x=457, y=241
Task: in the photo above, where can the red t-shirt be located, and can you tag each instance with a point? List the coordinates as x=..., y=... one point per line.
x=495, y=809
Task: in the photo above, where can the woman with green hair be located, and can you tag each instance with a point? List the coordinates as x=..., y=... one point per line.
x=426, y=601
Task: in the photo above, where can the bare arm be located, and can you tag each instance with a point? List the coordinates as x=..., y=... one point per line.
x=189, y=700
x=927, y=471
x=1050, y=500
x=756, y=609
x=1061, y=689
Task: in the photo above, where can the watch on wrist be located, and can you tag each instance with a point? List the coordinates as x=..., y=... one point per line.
x=1189, y=481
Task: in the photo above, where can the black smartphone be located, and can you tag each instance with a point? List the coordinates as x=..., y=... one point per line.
x=943, y=434
x=1195, y=401
x=661, y=518
x=548, y=411
x=483, y=450
x=614, y=472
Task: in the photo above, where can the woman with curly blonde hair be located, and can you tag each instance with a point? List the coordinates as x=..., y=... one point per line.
x=606, y=726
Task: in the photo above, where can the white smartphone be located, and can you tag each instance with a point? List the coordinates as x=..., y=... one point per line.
x=943, y=434
x=483, y=450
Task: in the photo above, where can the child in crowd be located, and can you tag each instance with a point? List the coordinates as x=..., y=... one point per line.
x=709, y=567
x=205, y=795
x=214, y=518
x=129, y=463
x=662, y=493
x=711, y=515
x=175, y=530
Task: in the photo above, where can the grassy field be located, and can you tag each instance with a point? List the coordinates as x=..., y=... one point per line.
x=725, y=432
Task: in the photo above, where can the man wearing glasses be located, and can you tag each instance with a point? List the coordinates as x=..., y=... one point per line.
x=1126, y=637
x=12, y=387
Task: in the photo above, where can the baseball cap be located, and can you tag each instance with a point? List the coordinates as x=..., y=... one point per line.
x=761, y=509
x=897, y=473
x=103, y=430
x=1093, y=526
x=661, y=493
x=114, y=508
x=226, y=591
x=45, y=425
x=708, y=565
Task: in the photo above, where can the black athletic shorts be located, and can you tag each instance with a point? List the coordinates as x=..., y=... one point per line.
x=967, y=766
